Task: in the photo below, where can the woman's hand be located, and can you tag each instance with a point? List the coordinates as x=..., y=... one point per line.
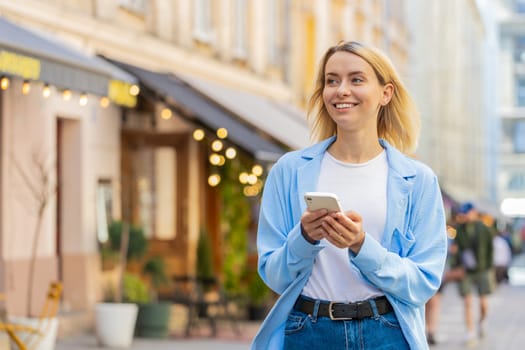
x=312, y=225
x=344, y=230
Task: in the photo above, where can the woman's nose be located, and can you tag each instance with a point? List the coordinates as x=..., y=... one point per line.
x=343, y=90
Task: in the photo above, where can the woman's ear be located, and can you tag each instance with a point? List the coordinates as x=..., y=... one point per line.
x=388, y=92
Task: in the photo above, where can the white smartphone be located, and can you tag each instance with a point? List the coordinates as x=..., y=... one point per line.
x=322, y=200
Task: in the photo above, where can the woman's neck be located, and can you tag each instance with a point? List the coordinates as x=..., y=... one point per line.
x=355, y=148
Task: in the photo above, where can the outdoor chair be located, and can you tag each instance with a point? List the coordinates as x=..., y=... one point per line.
x=192, y=291
x=27, y=337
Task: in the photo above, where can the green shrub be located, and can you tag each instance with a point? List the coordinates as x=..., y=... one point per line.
x=135, y=290
x=137, y=245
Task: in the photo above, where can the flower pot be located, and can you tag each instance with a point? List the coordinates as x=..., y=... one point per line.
x=115, y=324
x=153, y=320
x=48, y=326
x=257, y=312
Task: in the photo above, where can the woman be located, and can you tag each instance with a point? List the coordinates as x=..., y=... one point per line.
x=361, y=276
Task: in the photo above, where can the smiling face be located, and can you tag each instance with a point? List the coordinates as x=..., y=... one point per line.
x=352, y=93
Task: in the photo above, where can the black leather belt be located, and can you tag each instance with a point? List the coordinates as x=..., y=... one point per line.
x=344, y=311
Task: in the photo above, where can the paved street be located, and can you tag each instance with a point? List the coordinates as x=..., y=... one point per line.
x=505, y=323
x=505, y=328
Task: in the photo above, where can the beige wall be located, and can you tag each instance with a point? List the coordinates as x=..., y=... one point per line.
x=90, y=150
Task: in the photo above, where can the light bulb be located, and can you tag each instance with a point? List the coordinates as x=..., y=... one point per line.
x=198, y=135
x=46, y=91
x=222, y=133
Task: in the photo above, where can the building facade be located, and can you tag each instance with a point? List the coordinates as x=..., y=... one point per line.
x=511, y=103
x=249, y=64
x=453, y=56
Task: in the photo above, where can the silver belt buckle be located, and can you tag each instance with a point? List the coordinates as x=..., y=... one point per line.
x=332, y=315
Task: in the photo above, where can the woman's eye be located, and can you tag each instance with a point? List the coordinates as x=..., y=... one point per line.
x=331, y=81
x=357, y=80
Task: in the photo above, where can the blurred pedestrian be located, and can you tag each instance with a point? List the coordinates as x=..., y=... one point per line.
x=502, y=257
x=358, y=278
x=475, y=253
x=452, y=273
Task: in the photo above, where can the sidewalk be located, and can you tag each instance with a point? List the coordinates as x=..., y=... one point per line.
x=87, y=342
x=199, y=341
x=505, y=328
x=505, y=321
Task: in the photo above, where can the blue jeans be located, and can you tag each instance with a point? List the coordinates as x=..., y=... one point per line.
x=304, y=331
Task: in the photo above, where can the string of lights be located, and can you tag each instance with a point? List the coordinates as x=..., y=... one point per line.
x=67, y=94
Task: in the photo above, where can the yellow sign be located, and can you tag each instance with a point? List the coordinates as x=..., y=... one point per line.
x=119, y=92
x=20, y=65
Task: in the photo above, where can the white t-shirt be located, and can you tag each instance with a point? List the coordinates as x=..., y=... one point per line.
x=362, y=188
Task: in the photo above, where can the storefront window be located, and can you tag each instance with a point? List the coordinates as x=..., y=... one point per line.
x=104, y=209
x=154, y=183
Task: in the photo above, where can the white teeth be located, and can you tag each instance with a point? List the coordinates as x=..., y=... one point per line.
x=344, y=105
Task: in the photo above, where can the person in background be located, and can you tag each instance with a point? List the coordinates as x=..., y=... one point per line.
x=475, y=253
x=451, y=274
x=502, y=257
x=359, y=278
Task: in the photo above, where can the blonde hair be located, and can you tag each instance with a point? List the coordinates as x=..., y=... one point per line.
x=398, y=121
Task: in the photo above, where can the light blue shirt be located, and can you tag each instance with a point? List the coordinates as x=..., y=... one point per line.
x=406, y=265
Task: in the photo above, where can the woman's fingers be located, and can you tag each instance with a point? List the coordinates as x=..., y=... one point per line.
x=311, y=222
x=341, y=229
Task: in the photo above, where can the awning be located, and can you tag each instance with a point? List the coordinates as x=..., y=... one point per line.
x=284, y=122
x=31, y=56
x=206, y=112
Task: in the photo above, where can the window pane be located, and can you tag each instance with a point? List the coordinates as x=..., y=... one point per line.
x=519, y=49
x=165, y=179
x=520, y=92
x=104, y=209
x=520, y=6
x=519, y=136
x=241, y=28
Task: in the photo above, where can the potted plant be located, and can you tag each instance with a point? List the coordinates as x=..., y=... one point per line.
x=258, y=296
x=115, y=319
x=154, y=316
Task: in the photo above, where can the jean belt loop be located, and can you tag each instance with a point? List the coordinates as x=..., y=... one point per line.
x=372, y=303
x=316, y=310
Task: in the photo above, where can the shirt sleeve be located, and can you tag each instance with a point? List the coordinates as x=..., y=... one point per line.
x=284, y=254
